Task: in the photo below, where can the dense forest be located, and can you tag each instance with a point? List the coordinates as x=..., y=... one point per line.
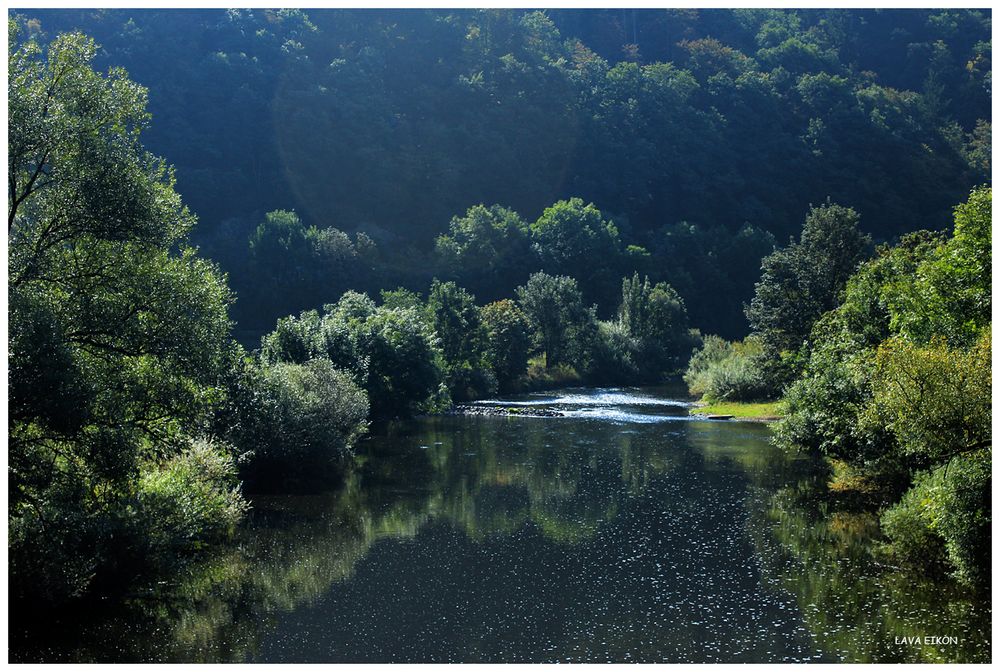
x=363, y=216
x=702, y=135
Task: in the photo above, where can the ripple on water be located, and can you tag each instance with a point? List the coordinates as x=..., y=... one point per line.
x=599, y=397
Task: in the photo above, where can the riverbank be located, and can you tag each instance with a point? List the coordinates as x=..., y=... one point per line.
x=767, y=411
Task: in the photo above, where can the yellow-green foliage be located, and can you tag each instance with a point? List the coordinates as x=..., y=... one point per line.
x=192, y=499
x=898, y=384
x=935, y=400
x=723, y=371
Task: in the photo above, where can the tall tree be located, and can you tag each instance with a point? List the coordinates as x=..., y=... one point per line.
x=508, y=337
x=563, y=324
x=118, y=331
x=460, y=331
x=573, y=238
x=802, y=281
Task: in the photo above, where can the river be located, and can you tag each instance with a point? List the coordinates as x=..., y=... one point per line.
x=623, y=531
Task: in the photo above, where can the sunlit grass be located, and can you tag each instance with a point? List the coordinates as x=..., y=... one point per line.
x=769, y=410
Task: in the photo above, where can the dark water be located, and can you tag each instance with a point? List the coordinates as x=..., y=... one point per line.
x=622, y=532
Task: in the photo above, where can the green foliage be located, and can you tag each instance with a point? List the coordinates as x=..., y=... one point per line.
x=615, y=357
x=823, y=406
x=462, y=338
x=952, y=292
x=723, y=371
x=282, y=237
x=946, y=515
x=191, y=500
x=655, y=316
x=898, y=383
x=712, y=268
x=740, y=377
x=508, y=340
x=291, y=422
x=804, y=280
x=713, y=351
x=310, y=415
x=391, y=352
x=118, y=331
x=571, y=238
x=401, y=298
x=936, y=401
x=297, y=265
x=646, y=341
x=564, y=327
x=487, y=249
x=722, y=120
x=67, y=545
x=405, y=367
x=541, y=377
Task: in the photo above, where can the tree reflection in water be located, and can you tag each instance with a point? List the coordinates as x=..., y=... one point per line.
x=495, y=539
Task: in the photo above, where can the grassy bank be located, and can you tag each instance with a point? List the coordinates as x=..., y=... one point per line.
x=763, y=411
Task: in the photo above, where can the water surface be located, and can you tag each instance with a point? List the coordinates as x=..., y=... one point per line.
x=622, y=531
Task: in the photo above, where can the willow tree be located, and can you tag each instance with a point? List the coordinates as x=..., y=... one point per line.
x=118, y=331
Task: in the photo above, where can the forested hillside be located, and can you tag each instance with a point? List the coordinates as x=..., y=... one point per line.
x=701, y=137
x=251, y=253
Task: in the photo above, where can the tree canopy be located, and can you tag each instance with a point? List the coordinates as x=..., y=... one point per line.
x=391, y=123
x=118, y=330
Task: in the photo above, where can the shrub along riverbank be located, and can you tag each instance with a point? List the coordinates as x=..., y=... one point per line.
x=883, y=366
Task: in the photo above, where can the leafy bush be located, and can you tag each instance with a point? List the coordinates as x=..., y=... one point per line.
x=508, y=340
x=822, y=408
x=190, y=500
x=393, y=353
x=68, y=546
x=722, y=371
x=295, y=420
x=737, y=378
x=405, y=365
x=712, y=351
x=541, y=377
x=936, y=401
x=294, y=265
x=615, y=358
x=946, y=516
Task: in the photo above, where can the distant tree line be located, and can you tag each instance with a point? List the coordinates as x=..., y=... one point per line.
x=687, y=128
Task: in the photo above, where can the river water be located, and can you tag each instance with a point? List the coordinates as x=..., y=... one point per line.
x=623, y=531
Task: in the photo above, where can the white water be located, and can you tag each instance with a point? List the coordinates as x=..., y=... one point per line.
x=618, y=405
